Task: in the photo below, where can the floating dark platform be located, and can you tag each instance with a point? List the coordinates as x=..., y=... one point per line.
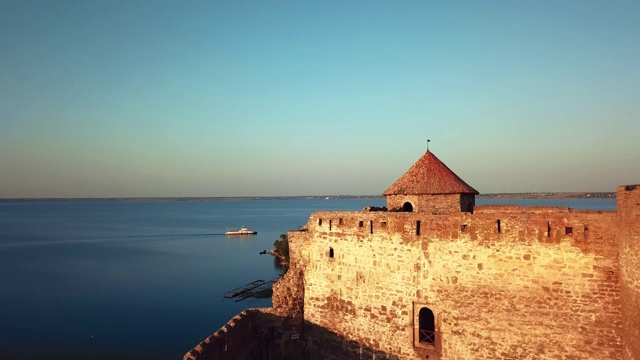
x=244, y=288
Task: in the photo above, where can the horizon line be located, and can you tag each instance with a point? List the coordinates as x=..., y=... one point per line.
x=266, y=197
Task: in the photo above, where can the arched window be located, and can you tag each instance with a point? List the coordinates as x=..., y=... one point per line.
x=427, y=326
x=407, y=207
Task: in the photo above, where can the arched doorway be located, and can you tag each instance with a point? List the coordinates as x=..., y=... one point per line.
x=407, y=207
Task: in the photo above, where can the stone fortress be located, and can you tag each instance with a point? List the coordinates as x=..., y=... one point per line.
x=432, y=276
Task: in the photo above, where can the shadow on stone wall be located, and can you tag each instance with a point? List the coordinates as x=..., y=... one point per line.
x=253, y=334
x=324, y=344
x=258, y=334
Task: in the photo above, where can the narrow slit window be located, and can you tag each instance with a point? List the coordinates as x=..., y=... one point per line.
x=340, y=221
x=586, y=232
x=371, y=226
x=331, y=252
x=319, y=222
x=548, y=229
x=427, y=326
x=568, y=230
x=499, y=226
x=329, y=225
x=418, y=227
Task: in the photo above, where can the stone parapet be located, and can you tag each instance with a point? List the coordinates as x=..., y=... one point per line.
x=628, y=198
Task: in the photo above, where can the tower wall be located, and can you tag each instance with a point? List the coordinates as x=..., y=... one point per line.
x=431, y=204
x=629, y=246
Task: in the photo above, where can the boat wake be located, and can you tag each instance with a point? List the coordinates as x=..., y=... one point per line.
x=101, y=239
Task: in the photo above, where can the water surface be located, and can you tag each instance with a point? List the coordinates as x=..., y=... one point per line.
x=142, y=279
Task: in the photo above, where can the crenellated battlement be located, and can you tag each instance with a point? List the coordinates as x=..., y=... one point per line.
x=487, y=223
x=253, y=334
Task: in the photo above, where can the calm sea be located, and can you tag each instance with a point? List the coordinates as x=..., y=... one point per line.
x=142, y=279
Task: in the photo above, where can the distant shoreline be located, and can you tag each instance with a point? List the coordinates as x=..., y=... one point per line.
x=536, y=195
x=550, y=195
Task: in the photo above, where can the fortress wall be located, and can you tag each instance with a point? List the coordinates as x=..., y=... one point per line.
x=521, y=293
x=500, y=209
x=288, y=292
x=228, y=342
x=254, y=334
x=629, y=241
x=352, y=292
x=526, y=292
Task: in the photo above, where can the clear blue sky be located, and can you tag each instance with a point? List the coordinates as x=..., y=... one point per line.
x=241, y=98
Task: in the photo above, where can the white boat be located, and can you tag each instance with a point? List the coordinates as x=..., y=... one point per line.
x=242, y=231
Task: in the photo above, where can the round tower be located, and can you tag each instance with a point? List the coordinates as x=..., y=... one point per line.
x=429, y=186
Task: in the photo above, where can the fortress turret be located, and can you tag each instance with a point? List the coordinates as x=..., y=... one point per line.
x=430, y=186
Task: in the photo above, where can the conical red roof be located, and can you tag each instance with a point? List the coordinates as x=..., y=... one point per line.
x=429, y=176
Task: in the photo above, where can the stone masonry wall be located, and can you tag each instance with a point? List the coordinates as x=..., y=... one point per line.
x=510, y=283
x=288, y=301
x=431, y=204
x=254, y=334
x=629, y=243
x=235, y=340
